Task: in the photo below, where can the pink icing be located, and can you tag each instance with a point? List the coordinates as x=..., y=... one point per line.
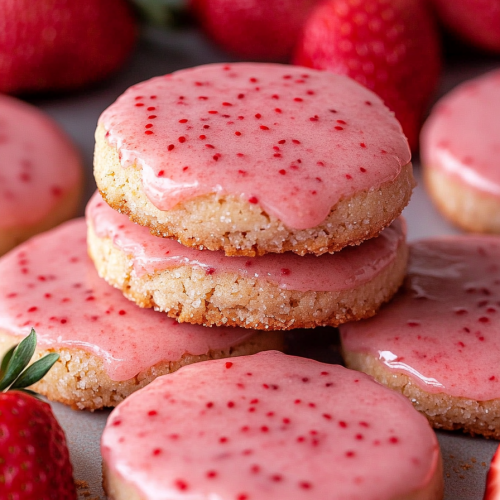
x=269, y=427
x=293, y=140
x=443, y=329
x=38, y=166
x=331, y=272
x=50, y=284
x=461, y=136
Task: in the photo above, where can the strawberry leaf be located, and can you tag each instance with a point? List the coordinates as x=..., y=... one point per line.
x=36, y=371
x=19, y=359
x=6, y=359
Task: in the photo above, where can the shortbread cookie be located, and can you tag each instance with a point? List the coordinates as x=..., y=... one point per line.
x=460, y=150
x=254, y=158
x=269, y=427
x=438, y=341
x=274, y=291
x=109, y=347
x=40, y=173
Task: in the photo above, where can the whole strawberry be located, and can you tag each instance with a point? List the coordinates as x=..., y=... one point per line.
x=34, y=458
x=476, y=21
x=492, y=491
x=254, y=29
x=390, y=46
x=53, y=45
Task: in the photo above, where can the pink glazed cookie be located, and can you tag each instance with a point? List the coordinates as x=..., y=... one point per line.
x=254, y=158
x=269, y=427
x=438, y=341
x=460, y=148
x=109, y=347
x=273, y=291
x=40, y=173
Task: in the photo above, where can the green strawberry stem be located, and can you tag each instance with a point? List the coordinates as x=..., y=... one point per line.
x=14, y=370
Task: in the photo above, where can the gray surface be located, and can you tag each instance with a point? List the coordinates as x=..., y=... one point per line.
x=466, y=459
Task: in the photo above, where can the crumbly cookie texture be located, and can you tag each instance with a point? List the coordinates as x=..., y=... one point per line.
x=78, y=378
x=442, y=410
x=229, y=223
x=463, y=205
x=65, y=208
x=190, y=295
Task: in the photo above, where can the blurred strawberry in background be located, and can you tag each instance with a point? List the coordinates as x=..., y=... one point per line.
x=264, y=30
x=475, y=21
x=390, y=46
x=53, y=45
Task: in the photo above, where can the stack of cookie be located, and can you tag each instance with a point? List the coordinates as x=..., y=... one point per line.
x=259, y=171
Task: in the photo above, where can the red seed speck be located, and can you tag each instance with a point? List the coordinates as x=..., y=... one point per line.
x=226, y=104
x=253, y=80
x=305, y=485
x=362, y=144
x=211, y=474
x=342, y=424
x=263, y=127
x=258, y=115
x=237, y=133
x=229, y=364
x=275, y=96
x=156, y=452
x=338, y=127
x=209, y=146
x=170, y=147
x=264, y=428
x=362, y=169
x=209, y=404
x=149, y=125
x=151, y=117
x=282, y=141
x=327, y=416
x=182, y=139
x=276, y=478
x=285, y=272
x=348, y=176
x=230, y=404
x=242, y=496
x=241, y=96
x=282, y=171
x=223, y=440
x=314, y=118
x=181, y=485
x=152, y=413
x=151, y=108
x=32, y=309
x=161, y=173
x=139, y=104
x=368, y=103
x=149, y=132
x=295, y=141
x=210, y=270
x=278, y=110
x=253, y=200
x=216, y=156
x=484, y=319
x=393, y=440
x=349, y=454
x=184, y=120
x=298, y=99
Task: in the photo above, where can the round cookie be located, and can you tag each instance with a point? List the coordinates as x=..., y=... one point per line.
x=437, y=342
x=459, y=149
x=273, y=291
x=254, y=158
x=108, y=347
x=40, y=173
x=269, y=427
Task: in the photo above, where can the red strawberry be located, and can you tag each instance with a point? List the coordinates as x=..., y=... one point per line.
x=390, y=46
x=492, y=491
x=254, y=29
x=476, y=21
x=34, y=458
x=51, y=45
